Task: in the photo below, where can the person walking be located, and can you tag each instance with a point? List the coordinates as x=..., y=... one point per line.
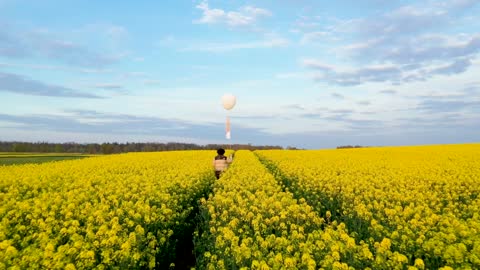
x=221, y=162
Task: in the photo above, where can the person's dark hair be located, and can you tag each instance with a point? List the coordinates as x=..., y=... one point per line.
x=221, y=151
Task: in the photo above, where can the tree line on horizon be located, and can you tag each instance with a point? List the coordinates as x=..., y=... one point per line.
x=116, y=148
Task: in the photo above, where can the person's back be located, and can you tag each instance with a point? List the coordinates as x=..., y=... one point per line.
x=220, y=163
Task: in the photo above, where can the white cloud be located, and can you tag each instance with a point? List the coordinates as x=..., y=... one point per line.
x=314, y=36
x=271, y=42
x=364, y=102
x=316, y=64
x=409, y=43
x=102, y=31
x=338, y=96
x=73, y=48
x=108, y=86
x=389, y=72
x=257, y=12
x=292, y=75
x=151, y=82
x=116, y=32
x=22, y=85
x=245, y=16
x=167, y=41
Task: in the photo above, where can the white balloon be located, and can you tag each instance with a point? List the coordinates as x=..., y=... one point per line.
x=229, y=101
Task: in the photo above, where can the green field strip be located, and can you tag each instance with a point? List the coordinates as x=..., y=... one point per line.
x=19, y=160
x=33, y=154
x=13, y=158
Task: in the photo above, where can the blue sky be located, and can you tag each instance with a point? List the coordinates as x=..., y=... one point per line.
x=313, y=74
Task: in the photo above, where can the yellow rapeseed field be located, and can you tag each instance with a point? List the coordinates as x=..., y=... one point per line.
x=250, y=223
x=413, y=206
x=112, y=212
x=370, y=208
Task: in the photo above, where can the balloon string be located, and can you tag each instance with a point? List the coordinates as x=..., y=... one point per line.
x=228, y=124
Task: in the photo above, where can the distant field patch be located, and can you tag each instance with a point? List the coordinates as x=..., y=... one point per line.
x=25, y=158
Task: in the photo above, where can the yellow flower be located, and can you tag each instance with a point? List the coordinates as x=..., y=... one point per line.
x=70, y=267
x=289, y=262
x=419, y=263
